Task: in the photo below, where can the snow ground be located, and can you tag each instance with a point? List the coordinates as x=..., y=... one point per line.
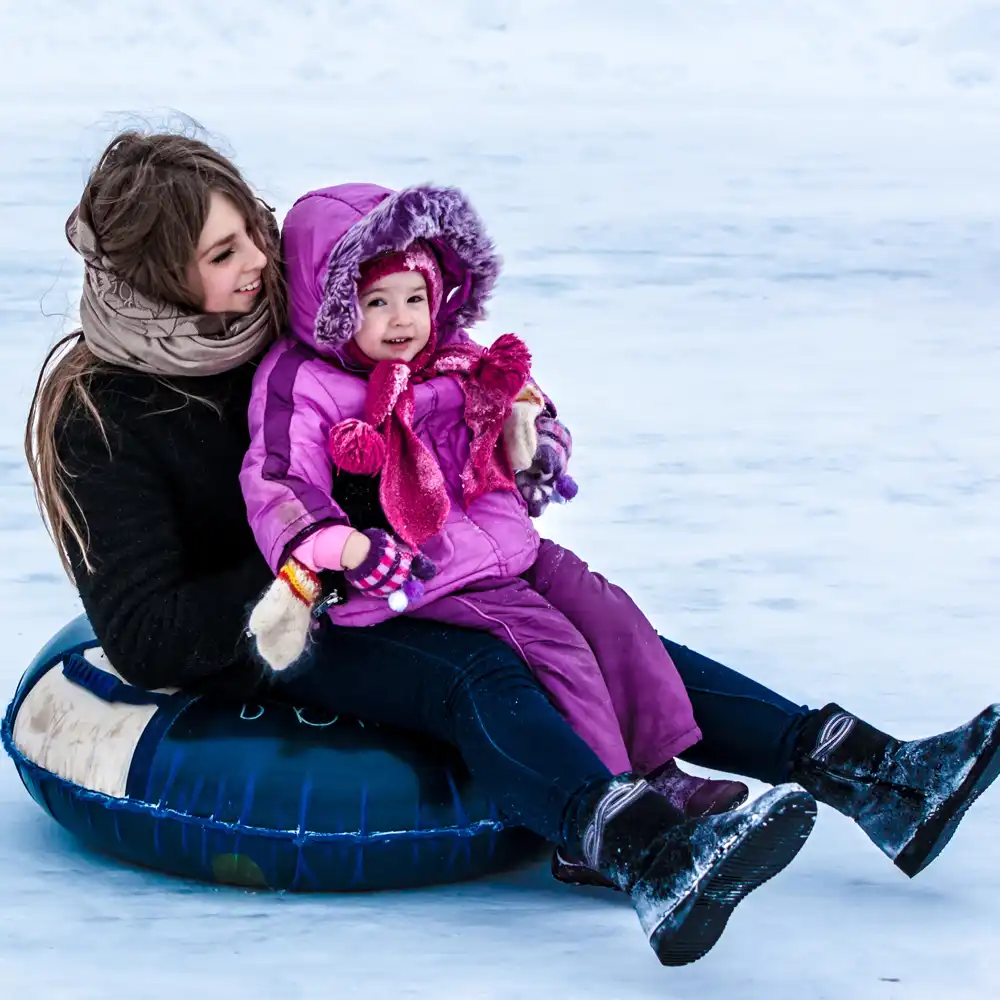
x=756, y=248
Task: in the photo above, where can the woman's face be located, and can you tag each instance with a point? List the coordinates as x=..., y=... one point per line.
x=226, y=273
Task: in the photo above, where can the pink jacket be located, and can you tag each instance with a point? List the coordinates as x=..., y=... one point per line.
x=304, y=386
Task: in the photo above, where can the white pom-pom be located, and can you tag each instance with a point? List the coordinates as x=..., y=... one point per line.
x=398, y=601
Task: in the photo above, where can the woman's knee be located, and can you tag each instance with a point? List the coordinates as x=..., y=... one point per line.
x=490, y=665
x=452, y=658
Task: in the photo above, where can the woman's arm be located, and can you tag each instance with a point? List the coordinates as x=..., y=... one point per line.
x=159, y=625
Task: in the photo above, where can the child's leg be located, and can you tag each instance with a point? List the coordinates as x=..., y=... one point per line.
x=652, y=706
x=555, y=651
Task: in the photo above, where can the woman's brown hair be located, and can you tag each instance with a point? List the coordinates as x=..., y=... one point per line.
x=146, y=200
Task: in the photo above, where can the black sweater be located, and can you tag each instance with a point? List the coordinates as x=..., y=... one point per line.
x=176, y=568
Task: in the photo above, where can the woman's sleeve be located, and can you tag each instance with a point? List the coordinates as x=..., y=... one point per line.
x=287, y=475
x=159, y=625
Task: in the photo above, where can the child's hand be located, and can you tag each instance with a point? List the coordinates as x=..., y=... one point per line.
x=389, y=569
x=356, y=550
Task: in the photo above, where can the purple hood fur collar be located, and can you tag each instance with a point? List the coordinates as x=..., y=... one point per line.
x=328, y=233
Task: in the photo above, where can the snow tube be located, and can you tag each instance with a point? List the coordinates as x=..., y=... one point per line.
x=257, y=795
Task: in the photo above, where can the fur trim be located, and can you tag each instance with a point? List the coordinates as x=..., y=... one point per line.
x=444, y=218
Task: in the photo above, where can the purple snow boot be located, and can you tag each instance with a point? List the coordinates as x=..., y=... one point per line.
x=693, y=796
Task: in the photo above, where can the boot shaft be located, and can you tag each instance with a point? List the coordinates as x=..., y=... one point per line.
x=694, y=796
x=618, y=823
x=840, y=759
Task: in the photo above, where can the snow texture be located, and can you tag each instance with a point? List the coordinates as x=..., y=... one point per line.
x=755, y=247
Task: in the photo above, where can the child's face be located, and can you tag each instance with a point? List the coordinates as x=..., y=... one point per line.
x=397, y=317
x=226, y=273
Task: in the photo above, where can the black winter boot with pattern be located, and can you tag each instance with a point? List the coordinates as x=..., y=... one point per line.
x=909, y=797
x=694, y=797
x=685, y=877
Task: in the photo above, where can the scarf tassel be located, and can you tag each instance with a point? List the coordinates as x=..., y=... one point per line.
x=505, y=366
x=357, y=447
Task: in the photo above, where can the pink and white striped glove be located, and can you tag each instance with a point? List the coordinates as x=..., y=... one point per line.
x=391, y=570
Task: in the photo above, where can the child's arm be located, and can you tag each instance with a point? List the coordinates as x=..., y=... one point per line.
x=287, y=479
x=287, y=474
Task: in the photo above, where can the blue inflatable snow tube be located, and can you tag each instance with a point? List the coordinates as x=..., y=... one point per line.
x=256, y=795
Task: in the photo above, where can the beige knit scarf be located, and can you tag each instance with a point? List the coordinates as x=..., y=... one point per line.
x=124, y=327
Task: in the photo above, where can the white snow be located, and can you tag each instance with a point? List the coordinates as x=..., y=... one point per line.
x=755, y=246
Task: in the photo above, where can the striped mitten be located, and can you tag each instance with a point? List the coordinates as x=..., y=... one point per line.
x=391, y=570
x=547, y=479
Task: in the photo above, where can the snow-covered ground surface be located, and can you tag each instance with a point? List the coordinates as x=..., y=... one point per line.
x=756, y=249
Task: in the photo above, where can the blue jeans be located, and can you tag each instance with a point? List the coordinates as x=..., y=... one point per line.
x=473, y=691
x=746, y=728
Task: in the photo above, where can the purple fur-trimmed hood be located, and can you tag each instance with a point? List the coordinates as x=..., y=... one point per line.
x=329, y=233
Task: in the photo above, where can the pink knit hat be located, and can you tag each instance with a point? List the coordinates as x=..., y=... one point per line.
x=418, y=256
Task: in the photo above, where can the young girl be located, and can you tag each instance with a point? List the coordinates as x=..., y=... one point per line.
x=393, y=460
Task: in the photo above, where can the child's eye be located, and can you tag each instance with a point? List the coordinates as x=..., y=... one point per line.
x=223, y=256
x=374, y=302
x=416, y=297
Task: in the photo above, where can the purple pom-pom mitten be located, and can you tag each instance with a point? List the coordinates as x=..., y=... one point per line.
x=391, y=570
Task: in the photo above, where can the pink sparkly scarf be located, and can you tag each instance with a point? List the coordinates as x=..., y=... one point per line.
x=412, y=489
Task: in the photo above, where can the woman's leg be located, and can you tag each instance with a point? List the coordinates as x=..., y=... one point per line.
x=465, y=688
x=468, y=688
x=908, y=797
x=746, y=728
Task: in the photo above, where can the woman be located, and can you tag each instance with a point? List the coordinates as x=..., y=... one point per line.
x=135, y=439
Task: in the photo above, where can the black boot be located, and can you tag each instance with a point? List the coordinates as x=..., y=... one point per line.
x=909, y=797
x=694, y=797
x=685, y=877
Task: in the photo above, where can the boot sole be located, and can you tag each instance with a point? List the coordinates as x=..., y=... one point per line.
x=933, y=837
x=761, y=854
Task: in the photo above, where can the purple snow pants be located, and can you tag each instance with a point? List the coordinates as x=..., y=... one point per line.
x=593, y=651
